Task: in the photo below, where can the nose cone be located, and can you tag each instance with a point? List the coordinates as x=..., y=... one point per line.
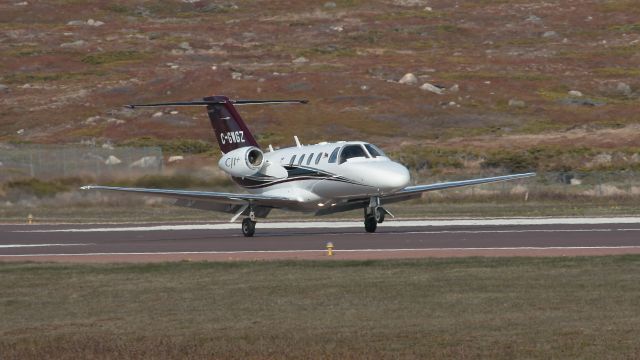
x=393, y=177
x=384, y=176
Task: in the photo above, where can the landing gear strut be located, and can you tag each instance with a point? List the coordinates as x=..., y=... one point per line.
x=379, y=214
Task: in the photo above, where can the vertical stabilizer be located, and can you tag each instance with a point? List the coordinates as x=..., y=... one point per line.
x=230, y=130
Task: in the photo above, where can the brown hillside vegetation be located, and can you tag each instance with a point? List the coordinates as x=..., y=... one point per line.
x=508, y=75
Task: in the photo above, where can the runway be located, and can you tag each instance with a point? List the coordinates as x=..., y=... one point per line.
x=308, y=240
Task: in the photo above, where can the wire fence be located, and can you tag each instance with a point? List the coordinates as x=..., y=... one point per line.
x=61, y=161
x=58, y=161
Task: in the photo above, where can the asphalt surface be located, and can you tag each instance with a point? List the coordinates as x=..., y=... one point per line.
x=140, y=242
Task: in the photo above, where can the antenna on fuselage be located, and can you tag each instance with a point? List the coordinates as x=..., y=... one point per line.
x=270, y=148
x=295, y=137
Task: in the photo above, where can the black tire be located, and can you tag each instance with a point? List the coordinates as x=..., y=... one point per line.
x=370, y=224
x=248, y=227
x=380, y=213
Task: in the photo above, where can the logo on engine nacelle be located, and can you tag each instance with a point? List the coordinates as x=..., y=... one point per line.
x=232, y=137
x=231, y=162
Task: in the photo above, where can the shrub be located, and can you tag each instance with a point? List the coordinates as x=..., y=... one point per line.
x=429, y=158
x=39, y=187
x=172, y=147
x=511, y=161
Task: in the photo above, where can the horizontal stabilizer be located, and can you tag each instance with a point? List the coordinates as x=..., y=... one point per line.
x=214, y=102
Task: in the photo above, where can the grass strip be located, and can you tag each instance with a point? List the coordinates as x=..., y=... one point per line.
x=140, y=212
x=499, y=308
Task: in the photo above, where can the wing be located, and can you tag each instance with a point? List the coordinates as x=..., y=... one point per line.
x=411, y=192
x=208, y=200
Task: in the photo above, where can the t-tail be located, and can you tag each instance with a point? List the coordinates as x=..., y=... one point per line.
x=230, y=130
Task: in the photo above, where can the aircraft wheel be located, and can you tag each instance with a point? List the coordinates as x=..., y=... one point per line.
x=248, y=227
x=380, y=213
x=370, y=224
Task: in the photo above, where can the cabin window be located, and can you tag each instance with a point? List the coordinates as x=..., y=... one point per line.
x=352, y=151
x=301, y=160
x=309, y=159
x=318, y=158
x=374, y=151
x=293, y=159
x=334, y=155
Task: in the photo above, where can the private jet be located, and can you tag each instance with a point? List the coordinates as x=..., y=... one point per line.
x=325, y=178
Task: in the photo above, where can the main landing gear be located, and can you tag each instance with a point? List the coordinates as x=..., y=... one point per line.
x=249, y=225
x=374, y=215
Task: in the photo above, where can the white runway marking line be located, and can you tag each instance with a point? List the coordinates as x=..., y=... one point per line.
x=336, y=251
x=36, y=245
x=515, y=231
x=358, y=224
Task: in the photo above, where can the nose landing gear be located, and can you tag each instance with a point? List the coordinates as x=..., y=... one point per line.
x=370, y=223
x=374, y=214
x=248, y=227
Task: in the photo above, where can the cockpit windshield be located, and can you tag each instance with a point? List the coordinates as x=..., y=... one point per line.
x=374, y=150
x=352, y=151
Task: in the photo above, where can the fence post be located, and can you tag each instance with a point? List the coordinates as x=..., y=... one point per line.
x=599, y=192
x=64, y=162
x=31, y=163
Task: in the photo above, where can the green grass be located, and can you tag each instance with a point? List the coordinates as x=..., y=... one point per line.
x=626, y=28
x=468, y=308
x=41, y=188
x=176, y=182
x=90, y=131
x=49, y=188
x=409, y=14
x=541, y=126
x=23, y=51
x=172, y=147
x=626, y=6
x=416, y=157
x=111, y=57
x=557, y=95
x=486, y=75
x=448, y=28
x=539, y=158
x=327, y=52
x=618, y=72
x=23, y=78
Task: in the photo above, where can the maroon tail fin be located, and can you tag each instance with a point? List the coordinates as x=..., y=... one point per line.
x=231, y=131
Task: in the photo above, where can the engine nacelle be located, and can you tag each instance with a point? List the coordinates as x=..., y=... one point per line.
x=245, y=161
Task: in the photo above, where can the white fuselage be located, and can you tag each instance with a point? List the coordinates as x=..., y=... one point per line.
x=327, y=173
